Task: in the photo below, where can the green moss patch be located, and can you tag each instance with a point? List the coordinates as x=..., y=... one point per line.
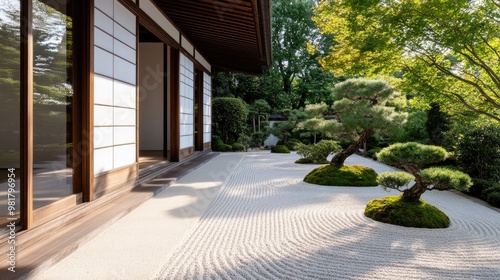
x=354, y=175
x=418, y=214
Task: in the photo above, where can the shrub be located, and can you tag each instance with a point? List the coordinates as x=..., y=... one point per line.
x=229, y=118
x=492, y=195
x=226, y=148
x=303, y=161
x=394, y=210
x=479, y=185
x=257, y=138
x=218, y=145
x=291, y=145
x=245, y=140
x=317, y=153
x=304, y=151
x=321, y=150
x=236, y=147
x=373, y=152
x=414, y=129
x=478, y=151
x=280, y=149
x=354, y=175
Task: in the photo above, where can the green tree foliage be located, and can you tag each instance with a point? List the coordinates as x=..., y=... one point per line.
x=52, y=74
x=295, y=68
x=446, y=51
x=229, y=118
x=311, y=127
x=413, y=157
x=437, y=123
x=361, y=107
x=414, y=129
x=259, y=110
x=10, y=44
x=317, y=153
x=283, y=129
x=247, y=87
x=478, y=150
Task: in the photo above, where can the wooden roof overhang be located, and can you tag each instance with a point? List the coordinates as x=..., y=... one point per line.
x=233, y=35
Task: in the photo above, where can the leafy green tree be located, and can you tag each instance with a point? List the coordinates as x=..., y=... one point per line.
x=445, y=51
x=260, y=109
x=246, y=87
x=415, y=128
x=437, y=123
x=10, y=43
x=413, y=157
x=283, y=129
x=229, y=118
x=478, y=150
x=361, y=108
x=313, y=124
x=295, y=67
x=316, y=153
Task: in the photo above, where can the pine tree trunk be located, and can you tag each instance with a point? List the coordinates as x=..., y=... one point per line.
x=340, y=157
x=414, y=193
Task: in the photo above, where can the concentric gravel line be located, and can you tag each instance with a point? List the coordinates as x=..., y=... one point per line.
x=266, y=223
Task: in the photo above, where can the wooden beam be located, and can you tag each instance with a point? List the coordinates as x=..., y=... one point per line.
x=174, y=75
x=87, y=105
x=26, y=190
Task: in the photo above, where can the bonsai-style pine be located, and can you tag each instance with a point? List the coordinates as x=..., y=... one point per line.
x=361, y=107
x=408, y=209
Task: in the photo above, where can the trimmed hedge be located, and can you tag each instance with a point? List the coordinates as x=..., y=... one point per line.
x=238, y=147
x=291, y=145
x=219, y=146
x=280, y=149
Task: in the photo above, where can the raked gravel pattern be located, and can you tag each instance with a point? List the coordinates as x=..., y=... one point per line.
x=267, y=223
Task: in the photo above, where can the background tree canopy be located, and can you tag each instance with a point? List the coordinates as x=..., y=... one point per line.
x=446, y=51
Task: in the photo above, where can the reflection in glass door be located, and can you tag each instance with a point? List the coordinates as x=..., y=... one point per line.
x=10, y=106
x=52, y=101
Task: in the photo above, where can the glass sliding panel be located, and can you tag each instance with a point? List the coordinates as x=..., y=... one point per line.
x=10, y=106
x=52, y=101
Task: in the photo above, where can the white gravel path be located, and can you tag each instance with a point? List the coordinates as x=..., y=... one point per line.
x=268, y=224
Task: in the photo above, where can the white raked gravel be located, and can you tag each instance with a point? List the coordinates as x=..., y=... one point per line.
x=266, y=223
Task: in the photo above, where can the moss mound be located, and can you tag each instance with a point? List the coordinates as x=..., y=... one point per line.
x=280, y=149
x=354, y=175
x=418, y=214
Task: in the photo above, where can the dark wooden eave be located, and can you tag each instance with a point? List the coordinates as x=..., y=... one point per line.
x=233, y=35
